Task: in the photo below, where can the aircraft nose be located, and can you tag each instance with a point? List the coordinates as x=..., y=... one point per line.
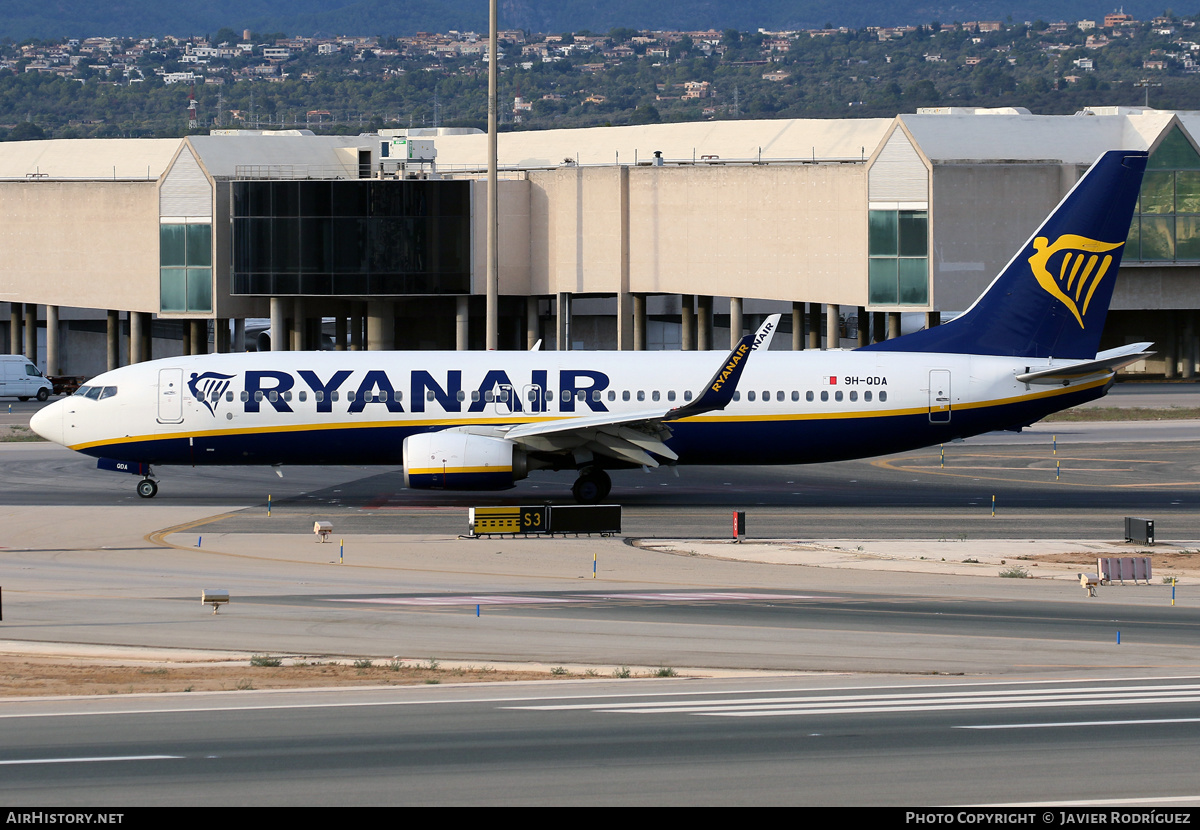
x=48, y=422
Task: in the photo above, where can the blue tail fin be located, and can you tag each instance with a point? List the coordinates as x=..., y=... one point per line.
x=1052, y=297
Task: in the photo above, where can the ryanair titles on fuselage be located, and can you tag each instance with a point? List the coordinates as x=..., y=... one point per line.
x=268, y=388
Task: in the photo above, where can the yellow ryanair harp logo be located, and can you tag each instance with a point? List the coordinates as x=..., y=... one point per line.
x=1080, y=262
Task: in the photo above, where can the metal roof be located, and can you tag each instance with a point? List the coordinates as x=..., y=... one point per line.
x=87, y=158
x=777, y=139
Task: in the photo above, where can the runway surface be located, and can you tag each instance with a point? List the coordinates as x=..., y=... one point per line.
x=837, y=741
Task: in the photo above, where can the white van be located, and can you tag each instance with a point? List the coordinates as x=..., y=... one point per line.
x=19, y=378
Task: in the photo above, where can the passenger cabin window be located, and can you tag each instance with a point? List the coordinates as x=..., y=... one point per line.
x=750, y=396
x=654, y=394
x=882, y=397
x=737, y=396
x=687, y=394
x=625, y=395
x=641, y=395
x=808, y=396
x=867, y=396
x=824, y=395
x=671, y=395
x=853, y=396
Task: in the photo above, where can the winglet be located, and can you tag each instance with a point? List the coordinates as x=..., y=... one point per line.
x=762, y=337
x=720, y=388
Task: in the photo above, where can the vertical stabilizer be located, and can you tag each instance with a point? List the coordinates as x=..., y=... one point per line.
x=1052, y=297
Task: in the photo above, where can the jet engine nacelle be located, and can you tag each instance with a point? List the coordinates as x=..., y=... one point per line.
x=460, y=461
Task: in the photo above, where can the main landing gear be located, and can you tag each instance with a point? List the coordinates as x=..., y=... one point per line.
x=147, y=488
x=592, y=486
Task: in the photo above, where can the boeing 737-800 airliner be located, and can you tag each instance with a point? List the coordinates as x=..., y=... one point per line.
x=483, y=420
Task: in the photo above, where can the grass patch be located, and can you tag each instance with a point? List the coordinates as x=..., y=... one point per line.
x=16, y=433
x=266, y=661
x=1015, y=572
x=1132, y=413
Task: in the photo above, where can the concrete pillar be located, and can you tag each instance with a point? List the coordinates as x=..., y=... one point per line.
x=187, y=338
x=933, y=319
x=137, y=342
x=381, y=326
x=687, y=318
x=462, y=323
x=53, y=360
x=340, y=332
x=704, y=322
x=113, y=339
x=14, y=328
x=280, y=339
x=356, y=327
x=1189, y=345
x=814, y=325
x=147, y=335
x=877, y=327
x=199, y=337
x=31, y=349
x=239, y=335
x=736, y=324
x=625, y=321
x=893, y=318
x=864, y=327
x=833, y=326
x=797, y=327
x=296, y=333
x=639, y=322
x=222, y=342
x=533, y=328
x=563, y=315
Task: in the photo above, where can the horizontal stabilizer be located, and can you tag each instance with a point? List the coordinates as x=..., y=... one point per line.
x=1107, y=361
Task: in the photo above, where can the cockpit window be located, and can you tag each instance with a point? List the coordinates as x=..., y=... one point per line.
x=82, y=391
x=94, y=392
x=108, y=392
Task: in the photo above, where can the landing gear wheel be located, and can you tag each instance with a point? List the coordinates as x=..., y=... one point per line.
x=591, y=487
x=147, y=488
x=43, y=394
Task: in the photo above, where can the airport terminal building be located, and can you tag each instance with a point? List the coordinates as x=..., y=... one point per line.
x=657, y=236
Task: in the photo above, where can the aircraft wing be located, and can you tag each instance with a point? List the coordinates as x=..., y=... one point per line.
x=636, y=437
x=1106, y=361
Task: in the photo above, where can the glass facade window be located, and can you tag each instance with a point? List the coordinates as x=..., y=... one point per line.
x=185, y=268
x=898, y=264
x=364, y=237
x=1166, y=220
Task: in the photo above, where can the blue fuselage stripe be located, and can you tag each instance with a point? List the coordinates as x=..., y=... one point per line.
x=777, y=441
